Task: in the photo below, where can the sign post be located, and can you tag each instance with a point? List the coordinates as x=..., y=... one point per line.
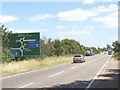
x=25, y=44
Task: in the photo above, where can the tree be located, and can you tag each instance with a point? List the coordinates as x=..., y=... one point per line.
x=58, y=47
x=109, y=47
x=116, y=46
x=72, y=47
x=50, y=48
x=67, y=46
x=116, y=49
x=5, y=54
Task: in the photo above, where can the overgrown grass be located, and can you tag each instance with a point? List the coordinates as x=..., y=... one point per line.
x=20, y=66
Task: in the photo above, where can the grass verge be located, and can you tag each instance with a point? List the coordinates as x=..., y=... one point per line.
x=31, y=64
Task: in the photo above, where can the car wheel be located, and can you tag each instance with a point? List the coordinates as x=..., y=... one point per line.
x=83, y=61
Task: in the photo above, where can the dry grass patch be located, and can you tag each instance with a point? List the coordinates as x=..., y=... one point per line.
x=15, y=67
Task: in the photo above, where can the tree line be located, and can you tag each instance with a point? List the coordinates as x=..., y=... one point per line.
x=63, y=47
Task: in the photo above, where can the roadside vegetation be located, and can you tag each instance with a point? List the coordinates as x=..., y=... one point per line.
x=49, y=47
x=53, y=52
x=116, y=49
x=30, y=64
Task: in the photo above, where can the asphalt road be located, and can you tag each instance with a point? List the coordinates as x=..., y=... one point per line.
x=68, y=75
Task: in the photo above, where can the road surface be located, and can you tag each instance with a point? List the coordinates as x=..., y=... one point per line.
x=68, y=75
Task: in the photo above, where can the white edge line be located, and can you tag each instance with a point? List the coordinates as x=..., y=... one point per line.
x=31, y=71
x=104, y=70
x=26, y=85
x=56, y=74
x=22, y=73
x=89, y=85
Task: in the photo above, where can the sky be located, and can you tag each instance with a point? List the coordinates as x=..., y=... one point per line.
x=93, y=24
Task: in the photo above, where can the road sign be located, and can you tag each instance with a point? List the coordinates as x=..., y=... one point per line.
x=25, y=44
x=33, y=44
x=15, y=52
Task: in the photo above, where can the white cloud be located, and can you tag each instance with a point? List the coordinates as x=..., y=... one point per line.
x=74, y=32
x=104, y=9
x=61, y=27
x=110, y=20
x=75, y=15
x=40, y=17
x=7, y=19
x=26, y=30
x=82, y=15
x=88, y=1
x=93, y=1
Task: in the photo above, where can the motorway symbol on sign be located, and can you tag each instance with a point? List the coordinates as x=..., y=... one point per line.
x=28, y=44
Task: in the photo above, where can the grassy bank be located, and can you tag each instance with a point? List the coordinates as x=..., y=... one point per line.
x=15, y=67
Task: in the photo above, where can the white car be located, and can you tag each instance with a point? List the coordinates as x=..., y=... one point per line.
x=78, y=58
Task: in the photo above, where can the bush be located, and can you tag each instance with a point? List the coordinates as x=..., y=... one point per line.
x=6, y=55
x=117, y=55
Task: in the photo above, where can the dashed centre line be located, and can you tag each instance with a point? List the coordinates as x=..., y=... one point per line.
x=56, y=74
x=26, y=85
x=74, y=67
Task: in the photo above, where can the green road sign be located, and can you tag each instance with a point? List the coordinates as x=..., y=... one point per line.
x=25, y=44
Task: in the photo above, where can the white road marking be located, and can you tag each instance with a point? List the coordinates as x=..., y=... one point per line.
x=26, y=85
x=56, y=74
x=89, y=85
x=74, y=67
x=103, y=71
x=32, y=71
x=22, y=73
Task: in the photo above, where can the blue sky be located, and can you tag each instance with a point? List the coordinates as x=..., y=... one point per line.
x=92, y=24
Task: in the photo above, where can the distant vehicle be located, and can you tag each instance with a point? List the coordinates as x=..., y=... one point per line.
x=78, y=58
x=89, y=52
x=109, y=52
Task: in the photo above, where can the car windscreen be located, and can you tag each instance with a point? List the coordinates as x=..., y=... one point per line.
x=78, y=56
